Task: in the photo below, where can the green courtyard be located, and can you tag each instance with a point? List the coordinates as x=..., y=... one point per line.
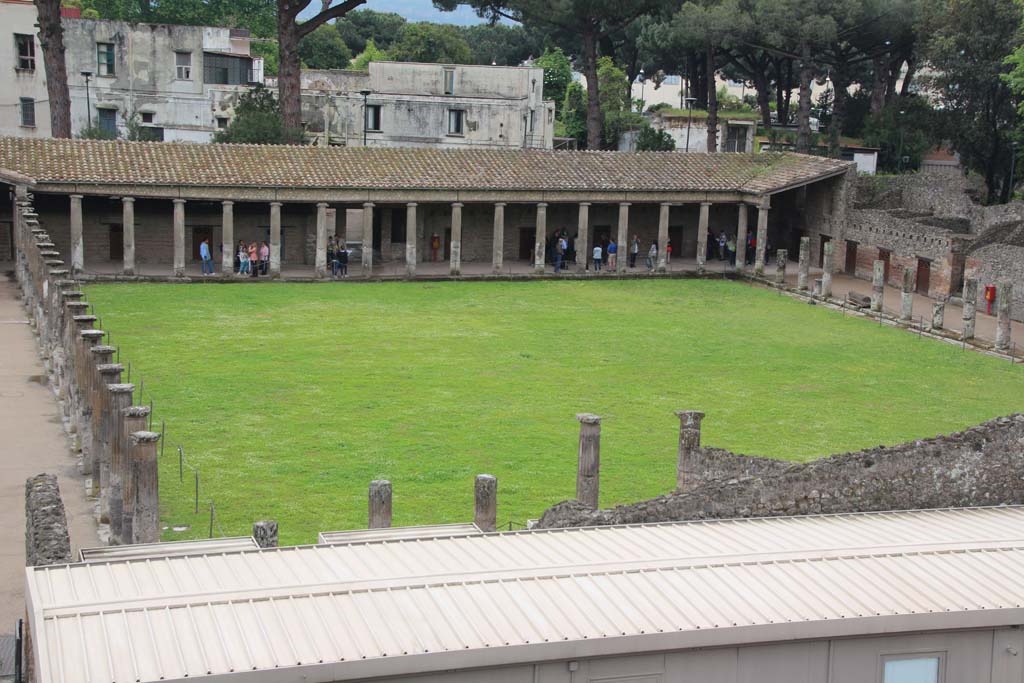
x=291, y=398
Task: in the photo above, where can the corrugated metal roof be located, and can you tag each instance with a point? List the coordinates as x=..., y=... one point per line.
x=365, y=609
x=142, y=551
x=396, y=533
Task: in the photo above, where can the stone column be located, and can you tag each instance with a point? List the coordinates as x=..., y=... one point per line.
x=275, y=239
x=332, y=222
x=320, y=260
x=385, y=234
x=702, y=237
x=77, y=243
x=906, y=295
x=1004, y=295
x=540, y=238
x=588, y=472
x=970, y=311
x=264, y=533
x=663, y=217
x=145, y=479
x=380, y=504
x=111, y=496
x=179, y=238
x=622, y=257
x=828, y=267
x=410, y=239
x=583, y=247
x=133, y=420
x=92, y=355
x=781, y=259
x=762, y=237
x=106, y=375
x=878, y=286
x=689, y=441
x=367, y=238
x=938, y=315
x=227, y=238
x=128, y=233
x=741, y=239
x=485, y=495
x=455, y=250
x=498, y=240
x=804, y=268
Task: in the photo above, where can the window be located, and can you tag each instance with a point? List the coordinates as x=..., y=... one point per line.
x=449, y=81
x=108, y=120
x=26, y=48
x=912, y=669
x=373, y=117
x=28, y=112
x=226, y=69
x=151, y=134
x=147, y=117
x=222, y=122
x=455, y=121
x=105, y=59
x=533, y=120
x=183, y=63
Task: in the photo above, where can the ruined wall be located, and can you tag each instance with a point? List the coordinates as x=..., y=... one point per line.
x=983, y=465
x=995, y=261
x=46, y=527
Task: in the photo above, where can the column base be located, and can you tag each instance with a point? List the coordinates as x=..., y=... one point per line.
x=130, y=272
x=179, y=272
x=321, y=273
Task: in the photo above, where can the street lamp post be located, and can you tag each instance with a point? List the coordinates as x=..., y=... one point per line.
x=88, y=104
x=899, y=163
x=689, y=120
x=1013, y=167
x=643, y=83
x=365, y=94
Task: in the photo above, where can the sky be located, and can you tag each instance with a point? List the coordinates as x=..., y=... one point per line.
x=415, y=10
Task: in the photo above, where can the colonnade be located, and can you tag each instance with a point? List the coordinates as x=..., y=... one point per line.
x=326, y=225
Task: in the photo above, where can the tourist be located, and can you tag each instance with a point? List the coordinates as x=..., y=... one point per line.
x=264, y=258
x=254, y=260
x=341, y=258
x=668, y=253
x=242, y=258
x=751, y=248
x=652, y=254
x=435, y=246
x=730, y=251
x=331, y=255
x=613, y=254
x=238, y=255
x=560, y=247
x=722, y=241
x=598, y=257
x=634, y=251
x=204, y=254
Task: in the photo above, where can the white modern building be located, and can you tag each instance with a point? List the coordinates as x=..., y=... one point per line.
x=172, y=79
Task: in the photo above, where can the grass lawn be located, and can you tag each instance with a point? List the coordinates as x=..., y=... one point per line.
x=292, y=397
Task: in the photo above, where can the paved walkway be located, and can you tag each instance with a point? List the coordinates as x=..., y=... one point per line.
x=32, y=441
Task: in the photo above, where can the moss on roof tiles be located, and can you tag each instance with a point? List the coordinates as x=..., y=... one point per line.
x=188, y=164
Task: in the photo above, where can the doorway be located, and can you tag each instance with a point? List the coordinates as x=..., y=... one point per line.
x=924, y=275
x=885, y=256
x=117, y=243
x=851, y=258
x=526, y=241
x=198, y=235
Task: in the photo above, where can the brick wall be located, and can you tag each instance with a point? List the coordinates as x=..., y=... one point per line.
x=983, y=465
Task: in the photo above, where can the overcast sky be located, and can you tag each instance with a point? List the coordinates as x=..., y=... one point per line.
x=414, y=10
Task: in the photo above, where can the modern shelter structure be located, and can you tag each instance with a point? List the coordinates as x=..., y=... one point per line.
x=898, y=597
x=116, y=206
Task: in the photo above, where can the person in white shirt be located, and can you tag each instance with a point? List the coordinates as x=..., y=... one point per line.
x=598, y=256
x=652, y=254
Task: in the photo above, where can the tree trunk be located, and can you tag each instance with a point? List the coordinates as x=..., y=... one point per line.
x=709, y=60
x=878, y=84
x=892, y=74
x=289, y=75
x=763, y=98
x=803, y=132
x=595, y=118
x=700, y=83
x=51, y=37
x=908, y=80
x=840, y=85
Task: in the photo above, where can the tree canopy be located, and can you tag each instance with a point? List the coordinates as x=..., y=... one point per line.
x=429, y=42
x=258, y=120
x=324, y=49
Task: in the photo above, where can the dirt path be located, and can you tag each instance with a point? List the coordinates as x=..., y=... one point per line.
x=31, y=441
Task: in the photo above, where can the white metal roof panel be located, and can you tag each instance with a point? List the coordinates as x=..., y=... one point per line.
x=144, y=551
x=324, y=613
x=405, y=533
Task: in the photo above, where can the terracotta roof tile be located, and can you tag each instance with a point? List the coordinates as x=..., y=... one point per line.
x=162, y=163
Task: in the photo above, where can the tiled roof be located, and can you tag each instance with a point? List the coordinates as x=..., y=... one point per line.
x=160, y=163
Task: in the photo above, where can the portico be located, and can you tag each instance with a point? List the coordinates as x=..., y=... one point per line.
x=127, y=209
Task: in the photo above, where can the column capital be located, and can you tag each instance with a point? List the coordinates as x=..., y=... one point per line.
x=542, y=205
x=625, y=203
x=411, y=205
x=227, y=202
x=178, y=200
x=321, y=205
x=275, y=204
x=76, y=196
x=584, y=203
x=368, y=205
x=765, y=203
x=589, y=418
x=127, y=200
x=457, y=205
x=500, y=205
x=706, y=203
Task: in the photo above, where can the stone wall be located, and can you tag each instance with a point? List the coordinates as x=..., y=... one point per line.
x=983, y=465
x=994, y=261
x=46, y=527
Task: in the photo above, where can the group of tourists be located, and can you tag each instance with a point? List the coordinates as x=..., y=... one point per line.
x=252, y=259
x=337, y=256
x=561, y=249
x=726, y=248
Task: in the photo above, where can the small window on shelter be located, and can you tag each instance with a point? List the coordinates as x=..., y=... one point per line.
x=915, y=668
x=449, y=81
x=456, y=121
